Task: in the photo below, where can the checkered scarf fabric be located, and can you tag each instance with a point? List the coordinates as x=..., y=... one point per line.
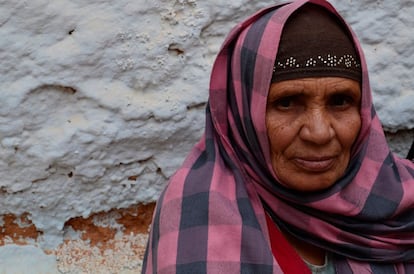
x=211, y=218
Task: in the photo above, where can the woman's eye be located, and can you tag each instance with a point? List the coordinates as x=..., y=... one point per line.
x=285, y=102
x=340, y=100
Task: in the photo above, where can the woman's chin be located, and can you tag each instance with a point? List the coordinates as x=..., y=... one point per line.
x=310, y=182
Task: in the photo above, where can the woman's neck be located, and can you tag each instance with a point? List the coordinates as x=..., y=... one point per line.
x=310, y=253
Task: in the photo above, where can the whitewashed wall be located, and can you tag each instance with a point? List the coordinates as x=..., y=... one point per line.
x=101, y=100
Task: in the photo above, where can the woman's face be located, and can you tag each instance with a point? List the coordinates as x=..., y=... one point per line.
x=312, y=124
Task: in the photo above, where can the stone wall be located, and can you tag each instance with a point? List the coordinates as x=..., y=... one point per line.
x=101, y=100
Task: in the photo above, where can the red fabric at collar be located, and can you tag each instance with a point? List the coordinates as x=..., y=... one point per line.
x=287, y=257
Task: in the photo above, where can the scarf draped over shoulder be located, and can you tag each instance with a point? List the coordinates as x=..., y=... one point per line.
x=211, y=217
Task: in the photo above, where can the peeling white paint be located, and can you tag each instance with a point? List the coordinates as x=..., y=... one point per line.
x=99, y=92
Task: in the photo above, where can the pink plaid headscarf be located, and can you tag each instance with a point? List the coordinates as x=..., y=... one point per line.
x=211, y=218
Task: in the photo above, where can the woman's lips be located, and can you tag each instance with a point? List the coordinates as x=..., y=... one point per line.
x=315, y=164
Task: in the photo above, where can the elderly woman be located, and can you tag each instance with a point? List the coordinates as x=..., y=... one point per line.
x=293, y=173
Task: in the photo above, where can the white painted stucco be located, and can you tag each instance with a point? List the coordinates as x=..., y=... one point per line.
x=16, y=259
x=101, y=100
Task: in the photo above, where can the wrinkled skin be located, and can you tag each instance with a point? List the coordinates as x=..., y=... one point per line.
x=312, y=124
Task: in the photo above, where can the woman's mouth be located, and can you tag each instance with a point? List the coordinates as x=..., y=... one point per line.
x=315, y=164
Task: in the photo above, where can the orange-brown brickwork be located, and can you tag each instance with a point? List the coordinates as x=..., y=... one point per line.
x=113, y=240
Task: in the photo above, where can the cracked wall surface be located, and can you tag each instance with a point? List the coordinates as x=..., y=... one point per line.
x=100, y=101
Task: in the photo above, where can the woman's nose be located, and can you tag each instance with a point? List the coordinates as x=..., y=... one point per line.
x=317, y=127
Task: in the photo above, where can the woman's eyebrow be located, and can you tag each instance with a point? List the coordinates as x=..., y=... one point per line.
x=288, y=91
x=346, y=90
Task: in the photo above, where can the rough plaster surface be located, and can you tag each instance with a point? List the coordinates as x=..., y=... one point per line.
x=35, y=260
x=101, y=100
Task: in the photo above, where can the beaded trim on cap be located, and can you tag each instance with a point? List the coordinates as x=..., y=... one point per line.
x=319, y=66
x=347, y=61
x=328, y=65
